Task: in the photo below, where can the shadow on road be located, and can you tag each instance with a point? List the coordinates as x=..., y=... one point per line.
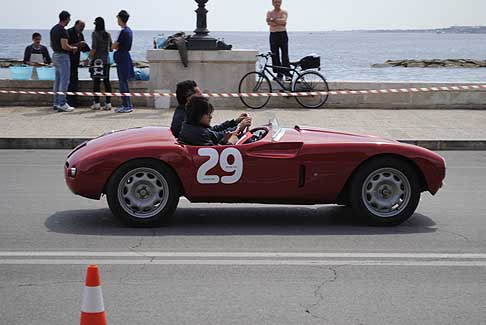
x=281, y=221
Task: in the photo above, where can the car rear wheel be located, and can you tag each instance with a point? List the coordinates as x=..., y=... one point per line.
x=143, y=193
x=385, y=192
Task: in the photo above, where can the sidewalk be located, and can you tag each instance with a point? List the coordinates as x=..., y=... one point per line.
x=25, y=127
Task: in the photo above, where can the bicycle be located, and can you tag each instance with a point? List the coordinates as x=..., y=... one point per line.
x=303, y=80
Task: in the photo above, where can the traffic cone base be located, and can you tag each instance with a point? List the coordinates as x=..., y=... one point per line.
x=93, y=318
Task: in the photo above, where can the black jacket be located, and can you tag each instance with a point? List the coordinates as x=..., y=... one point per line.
x=75, y=38
x=178, y=120
x=196, y=135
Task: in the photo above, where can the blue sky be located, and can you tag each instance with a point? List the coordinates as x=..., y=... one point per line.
x=249, y=15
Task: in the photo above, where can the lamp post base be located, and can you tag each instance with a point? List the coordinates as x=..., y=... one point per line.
x=202, y=43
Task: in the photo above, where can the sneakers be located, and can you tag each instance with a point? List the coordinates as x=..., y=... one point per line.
x=124, y=110
x=65, y=108
x=55, y=108
x=97, y=107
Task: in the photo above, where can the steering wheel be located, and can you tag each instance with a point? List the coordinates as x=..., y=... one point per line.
x=253, y=135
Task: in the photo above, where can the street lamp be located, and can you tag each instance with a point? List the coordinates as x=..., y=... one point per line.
x=201, y=40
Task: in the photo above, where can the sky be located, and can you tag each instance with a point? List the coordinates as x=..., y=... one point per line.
x=249, y=15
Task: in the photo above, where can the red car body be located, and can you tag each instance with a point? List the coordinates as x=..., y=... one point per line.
x=300, y=166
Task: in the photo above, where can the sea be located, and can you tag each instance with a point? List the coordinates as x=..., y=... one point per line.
x=345, y=55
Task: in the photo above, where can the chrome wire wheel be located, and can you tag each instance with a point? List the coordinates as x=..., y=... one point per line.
x=143, y=193
x=386, y=192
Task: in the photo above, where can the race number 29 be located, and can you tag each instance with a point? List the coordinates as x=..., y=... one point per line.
x=235, y=167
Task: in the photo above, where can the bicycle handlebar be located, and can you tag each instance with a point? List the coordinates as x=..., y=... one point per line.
x=267, y=55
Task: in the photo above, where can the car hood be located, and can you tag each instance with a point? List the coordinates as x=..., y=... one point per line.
x=128, y=138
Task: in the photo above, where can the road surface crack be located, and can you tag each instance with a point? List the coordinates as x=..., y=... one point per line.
x=138, y=245
x=319, y=294
x=45, y=284
x=128, y=275
x=456, y=234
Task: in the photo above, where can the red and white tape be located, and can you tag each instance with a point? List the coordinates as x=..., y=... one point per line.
x=277, y=94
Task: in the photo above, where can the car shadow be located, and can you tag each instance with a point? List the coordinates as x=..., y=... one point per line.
x=225, y=221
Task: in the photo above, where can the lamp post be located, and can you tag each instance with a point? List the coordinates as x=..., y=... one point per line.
x=201, y=40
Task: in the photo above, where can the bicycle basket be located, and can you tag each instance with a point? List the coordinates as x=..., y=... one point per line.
x=312, y=61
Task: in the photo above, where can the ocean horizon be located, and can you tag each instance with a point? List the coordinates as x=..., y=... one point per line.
x=346, y=55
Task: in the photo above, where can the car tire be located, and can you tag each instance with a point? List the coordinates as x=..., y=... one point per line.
x=385, y=192
x=144, y=193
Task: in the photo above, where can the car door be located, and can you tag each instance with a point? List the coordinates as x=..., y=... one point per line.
x=264, y=171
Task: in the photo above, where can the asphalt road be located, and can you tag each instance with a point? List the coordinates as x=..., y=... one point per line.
x=241, y=264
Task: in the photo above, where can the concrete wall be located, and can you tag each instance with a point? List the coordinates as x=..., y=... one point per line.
x=215, y=71
x=436, y=100
x=426, y=100
x=45, y=100
x=433, y=100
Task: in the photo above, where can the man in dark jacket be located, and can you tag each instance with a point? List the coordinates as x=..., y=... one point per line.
x=184, y=91
x=197, y=130
x=76, y=38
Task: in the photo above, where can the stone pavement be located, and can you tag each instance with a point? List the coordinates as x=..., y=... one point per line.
x=407, y=125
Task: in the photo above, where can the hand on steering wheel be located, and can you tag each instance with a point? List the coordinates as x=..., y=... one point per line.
x=244, y=125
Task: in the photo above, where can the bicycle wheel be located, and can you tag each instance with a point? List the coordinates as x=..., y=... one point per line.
x=311, y=81
x=255, y=82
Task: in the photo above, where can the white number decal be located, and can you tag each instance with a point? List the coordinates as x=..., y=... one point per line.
x=202, y=176
x=236, y=167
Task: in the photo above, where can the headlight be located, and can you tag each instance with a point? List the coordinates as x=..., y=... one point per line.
x=73, y=172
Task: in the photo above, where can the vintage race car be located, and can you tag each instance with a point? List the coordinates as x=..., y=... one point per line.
x=144, y=172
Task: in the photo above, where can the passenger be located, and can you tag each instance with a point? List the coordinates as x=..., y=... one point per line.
x=197, y=130
x=184, y=91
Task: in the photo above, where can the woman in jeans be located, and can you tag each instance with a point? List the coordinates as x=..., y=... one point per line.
x=99, y=60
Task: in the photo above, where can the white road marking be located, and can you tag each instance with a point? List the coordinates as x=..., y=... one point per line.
x=241, y=258
x=241, y=262
x=243, y=255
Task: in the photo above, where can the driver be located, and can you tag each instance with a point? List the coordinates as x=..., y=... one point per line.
x=197, y=130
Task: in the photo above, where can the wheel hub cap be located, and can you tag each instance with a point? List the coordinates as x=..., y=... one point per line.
x=386, y=192
x=143, y=193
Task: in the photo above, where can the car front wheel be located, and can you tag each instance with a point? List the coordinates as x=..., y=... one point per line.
x=385, y=192
x=143, y=193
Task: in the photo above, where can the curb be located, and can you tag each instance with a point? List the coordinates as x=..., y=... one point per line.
x=70, y=143
x=40, y=143
x=449, y=145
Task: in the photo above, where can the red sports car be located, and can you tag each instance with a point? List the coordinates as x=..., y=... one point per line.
x=144, y=172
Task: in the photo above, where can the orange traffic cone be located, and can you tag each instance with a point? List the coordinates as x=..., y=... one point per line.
x=93, y=309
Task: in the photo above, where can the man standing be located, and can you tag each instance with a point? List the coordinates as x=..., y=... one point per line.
x=124, y=64
x=61, y=60
x=279, y=40
x=76, y=38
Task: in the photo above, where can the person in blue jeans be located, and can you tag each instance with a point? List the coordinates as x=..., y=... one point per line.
x=61, y=61
x=123, y=60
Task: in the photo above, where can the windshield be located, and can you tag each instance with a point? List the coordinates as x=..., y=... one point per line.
x=270, y=121
x=274, y=124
